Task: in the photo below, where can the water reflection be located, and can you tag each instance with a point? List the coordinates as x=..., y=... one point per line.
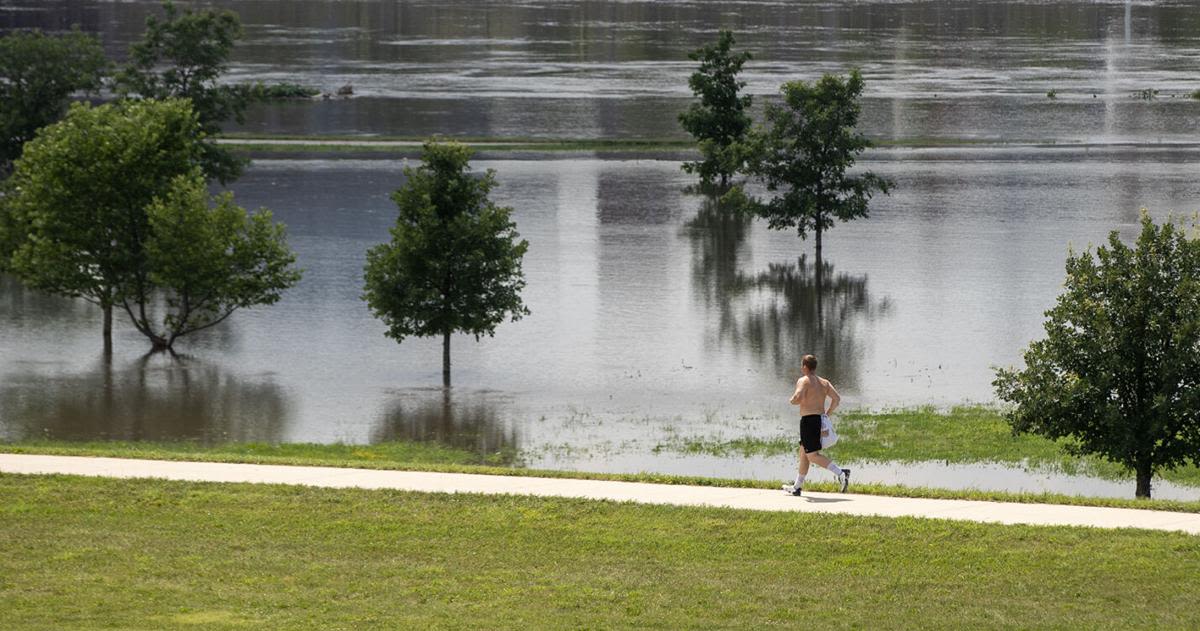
x=155, y=397
x=718, y=236
x=802, y=307
x=784, y=311
x=27, y=310
x=454, y=418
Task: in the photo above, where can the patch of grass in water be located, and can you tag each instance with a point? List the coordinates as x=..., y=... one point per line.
x=961, y=435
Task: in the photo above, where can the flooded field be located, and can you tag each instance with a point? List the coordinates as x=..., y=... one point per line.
x=653, y=315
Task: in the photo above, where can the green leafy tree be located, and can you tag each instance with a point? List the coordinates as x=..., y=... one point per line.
x=38, y=75
x=184, y=55
x=76, y=210
x=803, y=154
x=454, y=261
x=1118, y=373
x=718, y=120
x=205, y=262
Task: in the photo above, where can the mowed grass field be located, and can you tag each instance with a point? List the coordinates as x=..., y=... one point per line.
x=83, y=553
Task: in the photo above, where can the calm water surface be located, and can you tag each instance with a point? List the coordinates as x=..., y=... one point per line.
x=556, y=68
x=653, y=315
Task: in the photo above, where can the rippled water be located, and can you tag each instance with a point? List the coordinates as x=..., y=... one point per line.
x=555, y=68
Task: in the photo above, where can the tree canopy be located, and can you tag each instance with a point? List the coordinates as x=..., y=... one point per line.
x=38, y=75
x=1118, y=373
x=454, y=260
x=718, y=119
x=803, y=154
x=183, y=55
x=206, y=261
x=76, y=210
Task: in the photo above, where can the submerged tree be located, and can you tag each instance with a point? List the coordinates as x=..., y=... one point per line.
x=184, y=55
x=38, y=75
x=803, y=154
x=1118, y=374
x=205, y=262
x=454, y=261
x=76, y=212
x=718, y=120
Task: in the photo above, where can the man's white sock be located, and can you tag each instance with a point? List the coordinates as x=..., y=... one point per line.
x=799, y=481
x=834, y=468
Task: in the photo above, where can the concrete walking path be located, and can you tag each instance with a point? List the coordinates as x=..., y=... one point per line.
x=751, y=499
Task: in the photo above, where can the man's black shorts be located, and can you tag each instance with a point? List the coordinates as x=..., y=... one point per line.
x=810, y=433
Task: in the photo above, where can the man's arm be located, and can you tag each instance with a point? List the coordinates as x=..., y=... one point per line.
x=801, y=384
x=834, y=398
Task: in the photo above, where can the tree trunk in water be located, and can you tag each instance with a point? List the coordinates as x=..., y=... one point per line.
x=1144, y=473
x=818, y=245
x=107, y=329
x=446, y=359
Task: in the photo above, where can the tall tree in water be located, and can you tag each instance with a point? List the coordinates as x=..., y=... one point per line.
x=184, y=55
x=38, y=75
x=454, y=261
x=803, y=154
x=1118, y=373
x=718, y=119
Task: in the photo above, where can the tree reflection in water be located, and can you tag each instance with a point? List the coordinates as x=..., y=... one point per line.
x=785, y=311
x=157, y=398
x=471, y=422
x=718, y=236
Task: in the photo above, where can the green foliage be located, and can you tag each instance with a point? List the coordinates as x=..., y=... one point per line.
x=80, y=191
x=38, y=75
x=276, y=91
x=1148, y=94
x=719, y=120
x=184, y=56
x=454, y=261
x=1119, y=370
x=207, y=262
x=803, y=153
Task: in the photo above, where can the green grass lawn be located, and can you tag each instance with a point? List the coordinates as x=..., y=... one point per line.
x=83, y=553
x=959, y=435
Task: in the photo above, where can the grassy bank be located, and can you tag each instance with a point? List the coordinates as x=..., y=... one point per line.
x=386, y=455
x=95, y=553
x=960, y=435
x=411, y=456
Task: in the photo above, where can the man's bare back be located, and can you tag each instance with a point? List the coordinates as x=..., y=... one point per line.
x=811, y=392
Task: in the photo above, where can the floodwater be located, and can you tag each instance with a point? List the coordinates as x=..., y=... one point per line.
x=652, y=314
x=586, y=69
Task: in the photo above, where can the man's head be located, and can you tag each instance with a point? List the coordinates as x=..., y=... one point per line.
x=808, y=365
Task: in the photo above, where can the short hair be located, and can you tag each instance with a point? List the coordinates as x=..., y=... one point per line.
x=809, y=362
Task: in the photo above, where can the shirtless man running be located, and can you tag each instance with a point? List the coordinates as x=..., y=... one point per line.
x=811, y=392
